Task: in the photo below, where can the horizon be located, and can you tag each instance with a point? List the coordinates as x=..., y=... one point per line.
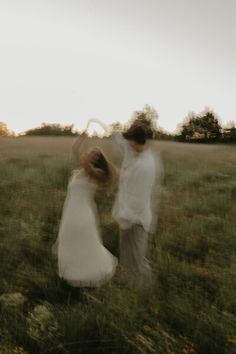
x=96, y=129
x=67, y=62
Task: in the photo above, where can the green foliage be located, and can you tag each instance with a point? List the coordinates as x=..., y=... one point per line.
x=4, y=131
x=52, y=129
x=202, y=127
x=147, y=116
x=229, y=133
x=191, y=307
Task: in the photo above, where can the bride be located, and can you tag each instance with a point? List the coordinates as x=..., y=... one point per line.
x=82, y=258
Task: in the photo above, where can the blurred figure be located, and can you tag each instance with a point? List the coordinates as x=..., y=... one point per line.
x=136, y=205
x=82, y=258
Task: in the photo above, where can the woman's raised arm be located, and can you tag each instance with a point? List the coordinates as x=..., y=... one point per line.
x=104, y=126
x=76, y=146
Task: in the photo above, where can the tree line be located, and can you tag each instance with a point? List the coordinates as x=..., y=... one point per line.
x=53, y=129
x=203, y=127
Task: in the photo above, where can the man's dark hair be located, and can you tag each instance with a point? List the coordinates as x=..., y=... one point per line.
x=136, y=133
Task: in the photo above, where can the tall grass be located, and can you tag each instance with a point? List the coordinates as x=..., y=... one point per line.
x=191, y=307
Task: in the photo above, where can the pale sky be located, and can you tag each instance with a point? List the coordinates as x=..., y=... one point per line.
x=65, y=61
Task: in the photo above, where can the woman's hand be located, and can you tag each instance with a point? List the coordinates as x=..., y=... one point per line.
x=103, y=125
x=93, y=171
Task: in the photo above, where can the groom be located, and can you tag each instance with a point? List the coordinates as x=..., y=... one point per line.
x=132, y=209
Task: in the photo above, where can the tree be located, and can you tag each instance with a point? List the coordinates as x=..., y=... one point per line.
x=202, y=127
x=53, y=129
x=162, y=134
x=147, y=116
x=117, y=126
x=229, y=132
x=4, y=131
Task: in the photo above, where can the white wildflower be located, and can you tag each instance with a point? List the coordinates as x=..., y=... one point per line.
x=42, y=324
x=12, y=299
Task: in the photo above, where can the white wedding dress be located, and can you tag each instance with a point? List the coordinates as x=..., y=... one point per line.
x=82, y=258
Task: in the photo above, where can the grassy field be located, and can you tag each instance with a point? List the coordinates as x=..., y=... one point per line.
x=191, y=307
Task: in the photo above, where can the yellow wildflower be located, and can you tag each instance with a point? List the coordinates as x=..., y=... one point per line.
x=19, y=350
x=232, y=339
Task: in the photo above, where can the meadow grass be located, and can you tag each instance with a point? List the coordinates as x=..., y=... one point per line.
x=191, y=307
